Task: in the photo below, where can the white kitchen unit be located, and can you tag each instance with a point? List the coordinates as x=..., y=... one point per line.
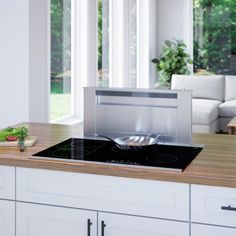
x=38, y=220
x=208, y=230
x=123, y=225
x=7, y=203
x=7, y=218
x=49, y=202
x=104, y=193
x=213, y=205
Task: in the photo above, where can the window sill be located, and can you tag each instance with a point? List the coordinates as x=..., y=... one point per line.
x=72, y=120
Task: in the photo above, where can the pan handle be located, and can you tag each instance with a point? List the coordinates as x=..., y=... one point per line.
x=157, y=137
x=113, y=141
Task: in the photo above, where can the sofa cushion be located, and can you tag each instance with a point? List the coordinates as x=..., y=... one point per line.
x=205, y=111
x=206, y=87
x=228, y=109
x=230, y=87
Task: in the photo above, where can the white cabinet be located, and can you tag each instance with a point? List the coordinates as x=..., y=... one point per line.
x=7, y=218
x=123, y=225
x=7, y=182
x=40, y=220
x=207, y=230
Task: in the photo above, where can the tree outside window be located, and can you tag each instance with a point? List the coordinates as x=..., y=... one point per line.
x=215, y=36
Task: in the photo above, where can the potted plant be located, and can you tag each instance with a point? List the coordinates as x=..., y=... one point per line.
x=174, y=59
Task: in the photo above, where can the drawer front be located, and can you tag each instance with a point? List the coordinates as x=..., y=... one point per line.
x=207, y=230
x=213, y=205
x=7, y=182
x=104, y=193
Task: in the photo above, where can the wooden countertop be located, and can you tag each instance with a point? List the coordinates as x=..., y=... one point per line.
x=215, y=165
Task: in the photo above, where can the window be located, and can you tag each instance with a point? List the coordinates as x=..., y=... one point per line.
x=61, y=81
x=117, y=43
x=98, y=42
x=215, y=37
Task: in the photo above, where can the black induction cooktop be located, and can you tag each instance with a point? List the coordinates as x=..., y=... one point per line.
x=161, y=156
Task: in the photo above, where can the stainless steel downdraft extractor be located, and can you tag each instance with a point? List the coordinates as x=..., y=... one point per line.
x=115, y=112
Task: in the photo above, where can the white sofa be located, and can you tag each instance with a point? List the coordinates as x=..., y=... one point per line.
x=214, y=100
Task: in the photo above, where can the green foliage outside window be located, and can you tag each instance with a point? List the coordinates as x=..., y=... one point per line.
x=215, y=36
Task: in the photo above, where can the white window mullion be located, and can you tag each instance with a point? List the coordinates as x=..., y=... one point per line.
x=146, y=43
x=125, y=59
x=84, y=43
x=118, y=43
x=142, y=31
x=91, y=42
x=79, y=55
x=132, y=43
x=110, y=44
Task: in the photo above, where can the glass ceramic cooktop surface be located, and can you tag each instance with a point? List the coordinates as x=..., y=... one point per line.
x=99, y=151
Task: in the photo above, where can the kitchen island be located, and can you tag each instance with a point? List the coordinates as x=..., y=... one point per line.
x=91, y=199
x=215, y=165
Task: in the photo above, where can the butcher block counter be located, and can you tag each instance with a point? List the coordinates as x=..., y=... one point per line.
x=215, y=165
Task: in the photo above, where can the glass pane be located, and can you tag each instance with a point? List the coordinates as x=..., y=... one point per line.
x=60, y=97
x=214, y=37
x=103, y=43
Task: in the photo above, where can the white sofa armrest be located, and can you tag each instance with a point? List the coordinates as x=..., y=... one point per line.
x=230, y=87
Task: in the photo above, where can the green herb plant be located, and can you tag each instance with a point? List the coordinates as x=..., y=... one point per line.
x=20, y=132
x=174, y=59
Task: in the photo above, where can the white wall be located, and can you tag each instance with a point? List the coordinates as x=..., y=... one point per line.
x=14, y=102
x=174, y=20
x=24, y=66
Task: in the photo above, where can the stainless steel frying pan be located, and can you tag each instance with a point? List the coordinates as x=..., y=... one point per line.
x=134, y=142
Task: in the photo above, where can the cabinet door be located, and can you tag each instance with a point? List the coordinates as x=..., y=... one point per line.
x=7, y=218
x=208, y=230
x=117, y=225
x=40, y=220
x=7, y=182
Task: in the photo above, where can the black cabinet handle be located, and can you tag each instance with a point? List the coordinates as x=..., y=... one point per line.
x=89, y=223
x=228, y=208
x=103, y=228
